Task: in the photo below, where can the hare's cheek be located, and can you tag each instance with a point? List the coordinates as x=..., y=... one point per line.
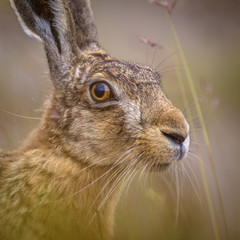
x=132, y=112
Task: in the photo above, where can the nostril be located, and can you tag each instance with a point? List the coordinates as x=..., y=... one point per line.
x=176, y=138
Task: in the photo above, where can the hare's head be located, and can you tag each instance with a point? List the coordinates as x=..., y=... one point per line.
x=103, y=111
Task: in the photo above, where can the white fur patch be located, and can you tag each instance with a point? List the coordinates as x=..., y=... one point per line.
x=76, y=75
x=82, y=75
x=132, y=112
x=186, y=143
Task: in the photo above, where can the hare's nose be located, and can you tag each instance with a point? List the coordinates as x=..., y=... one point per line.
x=175, y=137
x=174, y=127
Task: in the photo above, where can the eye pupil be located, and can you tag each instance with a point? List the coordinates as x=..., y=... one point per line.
x=99, y=90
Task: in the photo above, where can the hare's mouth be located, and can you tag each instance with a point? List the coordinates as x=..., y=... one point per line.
x=182, y=145
x=180, y=149
x=160, y=166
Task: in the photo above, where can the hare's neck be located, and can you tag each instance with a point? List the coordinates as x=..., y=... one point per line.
x=92, y=198
x=88, y=195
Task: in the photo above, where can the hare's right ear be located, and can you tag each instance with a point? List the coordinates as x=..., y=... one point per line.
x=51, y=22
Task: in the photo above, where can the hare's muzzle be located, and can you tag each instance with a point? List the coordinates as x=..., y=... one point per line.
x=165, y=139
x=175, y=129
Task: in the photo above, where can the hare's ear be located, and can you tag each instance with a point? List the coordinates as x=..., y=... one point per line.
x=50, y=21
x=86, y=31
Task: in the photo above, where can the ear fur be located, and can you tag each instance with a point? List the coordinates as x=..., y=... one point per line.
x=86, y=31
x=64, y=26
x=50, y=21
x=19, y=7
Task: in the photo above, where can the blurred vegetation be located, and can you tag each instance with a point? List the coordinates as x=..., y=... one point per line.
x=170, y=205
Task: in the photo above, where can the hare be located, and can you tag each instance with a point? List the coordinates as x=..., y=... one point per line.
x=105, y=119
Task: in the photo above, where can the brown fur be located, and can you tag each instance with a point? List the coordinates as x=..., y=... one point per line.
x=62, y=183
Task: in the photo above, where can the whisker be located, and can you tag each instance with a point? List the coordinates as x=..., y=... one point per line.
x=163, y=73
x=148, y=172
x=114, y=165
x=178, y=194
x=110, y=191
x=109, y=180
x=187, y=165
x=155, y=52
x=113, y=175
x=166, y=58
x=123, y=186
x=19, y=115
x=129, y=181
x=198, y=159
x=173, y=67
x=143, y=171
x=129, y=168
x=117, y=182
x=192, y=183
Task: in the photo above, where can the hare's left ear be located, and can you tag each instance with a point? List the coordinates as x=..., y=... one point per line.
x=86, y=31
x=51, y=22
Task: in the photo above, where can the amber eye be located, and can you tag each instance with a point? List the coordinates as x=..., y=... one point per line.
x=100, y=92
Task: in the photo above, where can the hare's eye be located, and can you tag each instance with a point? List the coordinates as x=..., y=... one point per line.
x=100, y=92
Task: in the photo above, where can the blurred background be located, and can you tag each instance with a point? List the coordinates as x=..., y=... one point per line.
x=193, y=200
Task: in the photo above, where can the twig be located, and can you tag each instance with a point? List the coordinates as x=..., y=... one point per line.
x=165, y=4
x=149, y=42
